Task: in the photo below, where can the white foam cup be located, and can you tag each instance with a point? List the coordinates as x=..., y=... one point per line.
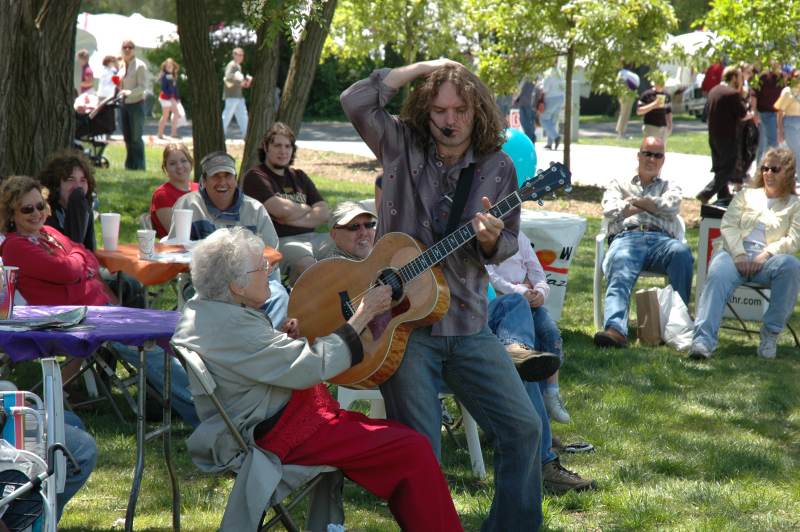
x=182, y=220
x=147, y=242
x=109, y=225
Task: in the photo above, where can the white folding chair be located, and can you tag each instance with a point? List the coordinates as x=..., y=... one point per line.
x=598, y=295
x=297, y=482
x=346, y=396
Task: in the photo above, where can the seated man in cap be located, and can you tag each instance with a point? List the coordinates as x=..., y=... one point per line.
x=220, y=203
x=352, y=231
x=292, y=200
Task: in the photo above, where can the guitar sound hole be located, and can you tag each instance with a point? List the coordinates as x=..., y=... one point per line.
x=391, y=278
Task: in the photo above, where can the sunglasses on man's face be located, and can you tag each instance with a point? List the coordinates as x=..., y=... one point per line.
x=356, y=227
x=28, y=209
x=128, y=47
x=773, y=169
x=653, y=154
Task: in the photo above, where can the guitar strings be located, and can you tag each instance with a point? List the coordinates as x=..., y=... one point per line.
x=394, y=282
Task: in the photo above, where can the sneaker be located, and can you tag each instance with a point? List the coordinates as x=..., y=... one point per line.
x=533, y=365
x=768, y=346
x=699, y=351
x=555, y=407
x=558, y=141
x=558, y=480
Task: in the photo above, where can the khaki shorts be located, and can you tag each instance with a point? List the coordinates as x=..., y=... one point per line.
x=294, y=248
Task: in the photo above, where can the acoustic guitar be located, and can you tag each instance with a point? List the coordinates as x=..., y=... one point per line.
x=327, y=294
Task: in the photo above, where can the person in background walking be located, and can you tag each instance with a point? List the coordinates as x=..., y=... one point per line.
x=235, y=81
x=134, y=80
x=629, y=84
x=87, y=76
x=524, y=102
x=788, y=118
x=553, y=87
x=655, y=106
x=169, y=98
x=763, y=101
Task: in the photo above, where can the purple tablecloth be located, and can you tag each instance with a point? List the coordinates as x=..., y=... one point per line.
x=130, y=326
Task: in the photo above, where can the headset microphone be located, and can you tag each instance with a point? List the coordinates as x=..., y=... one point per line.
x=446, y=131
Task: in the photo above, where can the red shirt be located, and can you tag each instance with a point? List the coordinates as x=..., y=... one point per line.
x=164, y=197
x=53, y=274
x=713, y=77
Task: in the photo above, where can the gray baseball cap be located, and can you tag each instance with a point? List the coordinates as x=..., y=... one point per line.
x=218, y=161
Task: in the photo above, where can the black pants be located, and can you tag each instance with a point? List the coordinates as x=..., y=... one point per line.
x=724, y=154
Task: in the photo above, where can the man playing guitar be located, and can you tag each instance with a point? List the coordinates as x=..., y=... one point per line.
x=449, y=128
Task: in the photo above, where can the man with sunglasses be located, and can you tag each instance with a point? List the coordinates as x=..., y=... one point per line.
x=352, y=231
x=642, y=223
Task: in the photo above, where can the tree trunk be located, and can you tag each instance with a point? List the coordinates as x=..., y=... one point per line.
x=207, y=134
x=302, y=68
x=568, y=106
x=262, y=95
x=37, y=53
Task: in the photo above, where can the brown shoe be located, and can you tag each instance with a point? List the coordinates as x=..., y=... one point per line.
x=533, y=365
x=610, y=338
x=558, y=480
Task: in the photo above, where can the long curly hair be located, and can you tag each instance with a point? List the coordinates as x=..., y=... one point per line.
x=488, y=125
x=58, y=169
x=12, y=189
x=787, y=162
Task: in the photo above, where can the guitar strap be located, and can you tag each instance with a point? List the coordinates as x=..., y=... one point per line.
x=460, y=199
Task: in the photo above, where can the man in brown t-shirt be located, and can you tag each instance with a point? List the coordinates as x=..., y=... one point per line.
x=293, y=202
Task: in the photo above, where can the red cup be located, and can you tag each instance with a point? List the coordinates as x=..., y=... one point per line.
x=115, y=80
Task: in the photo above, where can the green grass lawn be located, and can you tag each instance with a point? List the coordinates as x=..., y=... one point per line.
x=691, y=143
x=680, y=445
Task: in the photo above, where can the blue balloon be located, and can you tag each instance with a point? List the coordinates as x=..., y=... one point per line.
x=522, y=153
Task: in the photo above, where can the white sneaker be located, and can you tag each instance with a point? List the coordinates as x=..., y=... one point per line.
x=768, y=346
x=699, y=351
x=555, y=407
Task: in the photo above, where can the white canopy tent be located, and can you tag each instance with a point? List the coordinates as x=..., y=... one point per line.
x=103, y=34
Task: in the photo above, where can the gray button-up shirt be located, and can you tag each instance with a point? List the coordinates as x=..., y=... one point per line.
x=414, y=181
x=666, y=195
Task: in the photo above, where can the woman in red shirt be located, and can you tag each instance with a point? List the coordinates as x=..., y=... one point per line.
x=177, y=164
x=53, y=270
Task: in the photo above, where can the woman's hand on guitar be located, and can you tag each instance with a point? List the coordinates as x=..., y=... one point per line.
x=291, y=327
x=375, y=301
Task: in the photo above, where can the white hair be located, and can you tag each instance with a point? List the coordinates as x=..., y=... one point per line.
x=225, y=257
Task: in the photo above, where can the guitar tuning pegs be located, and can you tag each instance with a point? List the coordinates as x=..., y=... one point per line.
x=541, y=203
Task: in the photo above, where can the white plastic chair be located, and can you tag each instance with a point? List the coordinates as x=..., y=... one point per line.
x=598, y=295
x=346, y=396
x=297, y=481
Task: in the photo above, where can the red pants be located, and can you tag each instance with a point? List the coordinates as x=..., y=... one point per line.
x=390, y=461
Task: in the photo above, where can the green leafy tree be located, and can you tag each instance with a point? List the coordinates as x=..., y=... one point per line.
x=516, y=39
x=755, y=30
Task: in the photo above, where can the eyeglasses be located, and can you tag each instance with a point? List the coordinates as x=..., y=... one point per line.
x=28, y=209
x=773, y=169
x=263, y=268
x=654, y=154
x=128, y=47
x=355, y=227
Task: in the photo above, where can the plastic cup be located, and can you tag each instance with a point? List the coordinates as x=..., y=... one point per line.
x=662, y=99
x=147, y=243
x=109, y=226
x=182, y=219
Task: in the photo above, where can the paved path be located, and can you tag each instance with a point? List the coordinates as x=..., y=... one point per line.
x=591, y=164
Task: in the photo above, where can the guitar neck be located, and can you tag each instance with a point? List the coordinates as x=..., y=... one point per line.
x=455, y=240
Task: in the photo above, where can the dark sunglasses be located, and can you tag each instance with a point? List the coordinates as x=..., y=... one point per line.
x=355, y=227
x=28, y=209
x=127, y=47
x=653, y=154
x=773, y=169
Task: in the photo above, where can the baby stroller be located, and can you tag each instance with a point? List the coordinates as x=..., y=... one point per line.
x=94, y=120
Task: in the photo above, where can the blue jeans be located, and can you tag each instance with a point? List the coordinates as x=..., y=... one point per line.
x=483, y=378
x=235, y=107
x=513, y=321
x=791, y=135
x=549, y=118
x=780, y=272
x=767, y=133
x=632, y=252
x=527, y=119
x=182, y=401
x=132, y=128
x=84, y=450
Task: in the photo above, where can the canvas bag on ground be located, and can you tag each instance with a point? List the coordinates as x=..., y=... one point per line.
x=677, y=325
x=648, y=316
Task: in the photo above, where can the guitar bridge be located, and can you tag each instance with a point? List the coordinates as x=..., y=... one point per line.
x=347, y=307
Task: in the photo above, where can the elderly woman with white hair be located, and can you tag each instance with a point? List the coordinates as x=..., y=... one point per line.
x=271, y=385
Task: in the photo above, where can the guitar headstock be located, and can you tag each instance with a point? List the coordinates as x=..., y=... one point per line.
x=545, y=183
